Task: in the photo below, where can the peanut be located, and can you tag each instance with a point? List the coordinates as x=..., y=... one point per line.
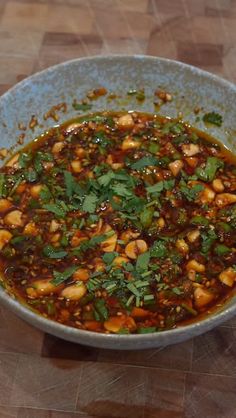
x=134, y=248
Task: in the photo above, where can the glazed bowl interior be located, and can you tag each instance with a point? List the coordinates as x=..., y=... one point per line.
x=190, y=88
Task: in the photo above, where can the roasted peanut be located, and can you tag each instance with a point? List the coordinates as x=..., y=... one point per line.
x=80, y=152
x=125, y=121
x=81, y=274
x=224, y=199
x=76, y=166
x=35, y=190
x=176, y=166
x=193, y=235
x=14, y=218
x=228, y=277
x=13, y=162
x=5, y=237
x=218, y=185
x=207, y=195
x=31, y=229
x=134, y=248
x=130, y=143
x=182, y=246
x=74, y=291
x=110, y=243
x=115, y=323
x=58, y=147
x=128, y=234
x=119, y=260
x=190, y=149
x=54, y=226
x=194, y=265
x=202, y=297
x=42, y=287
x=5, y=204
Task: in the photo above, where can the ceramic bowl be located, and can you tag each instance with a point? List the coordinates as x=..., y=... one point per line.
x=190, y=87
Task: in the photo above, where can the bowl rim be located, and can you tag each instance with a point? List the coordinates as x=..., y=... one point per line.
x=87, y=337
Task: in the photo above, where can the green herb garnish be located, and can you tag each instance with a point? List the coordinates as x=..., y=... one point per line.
x=213, y=118
x=60, y=277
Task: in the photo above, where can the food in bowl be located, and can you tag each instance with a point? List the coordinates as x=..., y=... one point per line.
x=120, y=222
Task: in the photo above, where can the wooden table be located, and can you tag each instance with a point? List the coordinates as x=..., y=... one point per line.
x=41, y=376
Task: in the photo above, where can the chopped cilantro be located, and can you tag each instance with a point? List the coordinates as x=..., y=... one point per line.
x=143, y=261
x=190, y=192
x=153, y=147
x=208, y=239
x=146, y=330
x=209, y=171
x=101, y=138
x=120, y=190
x=222, y=249
x=105, y=179
x=30, y=176
x=89, y=203
x=82, y=106
x=109, y=257
x=144, y=162
x=60, y=277
x=213, y=118
x=2, y=185
x=101, y=309
x=159, y=249
x=56, y=209
x=52, y=252
x=146, y=216
x=45, y=194
x=156, y=188
x=199, y=220
x=177, y=291
x=24, y=159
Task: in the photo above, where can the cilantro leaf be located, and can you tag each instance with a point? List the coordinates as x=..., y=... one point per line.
x=159, y=249
x=101, y=138
x=146, y=330
x=52, y=252
x=121, y=190
x=156, y=188
x=101, y=309
x=56, y=209
x=105, y=179
x=69, y=181
x=30, y=176
x=177, y=291
x=109, y=257
x=45, y=194
x=213, y=118
x=207, y=240
x=2, y=184
x=24, y=159
x=143, y=261
x=209, y=171
x=39, y=158
x=144, y=162
x=61, y=276
x=190, y=192
x=222, y=249
x=199, y=220
x=146, y=217
x=82, y=106
x=89, y=203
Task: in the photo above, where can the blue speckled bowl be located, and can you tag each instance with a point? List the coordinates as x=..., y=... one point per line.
x=190, y=88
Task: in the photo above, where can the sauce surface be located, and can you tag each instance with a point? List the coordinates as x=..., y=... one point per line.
x=119, y=223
